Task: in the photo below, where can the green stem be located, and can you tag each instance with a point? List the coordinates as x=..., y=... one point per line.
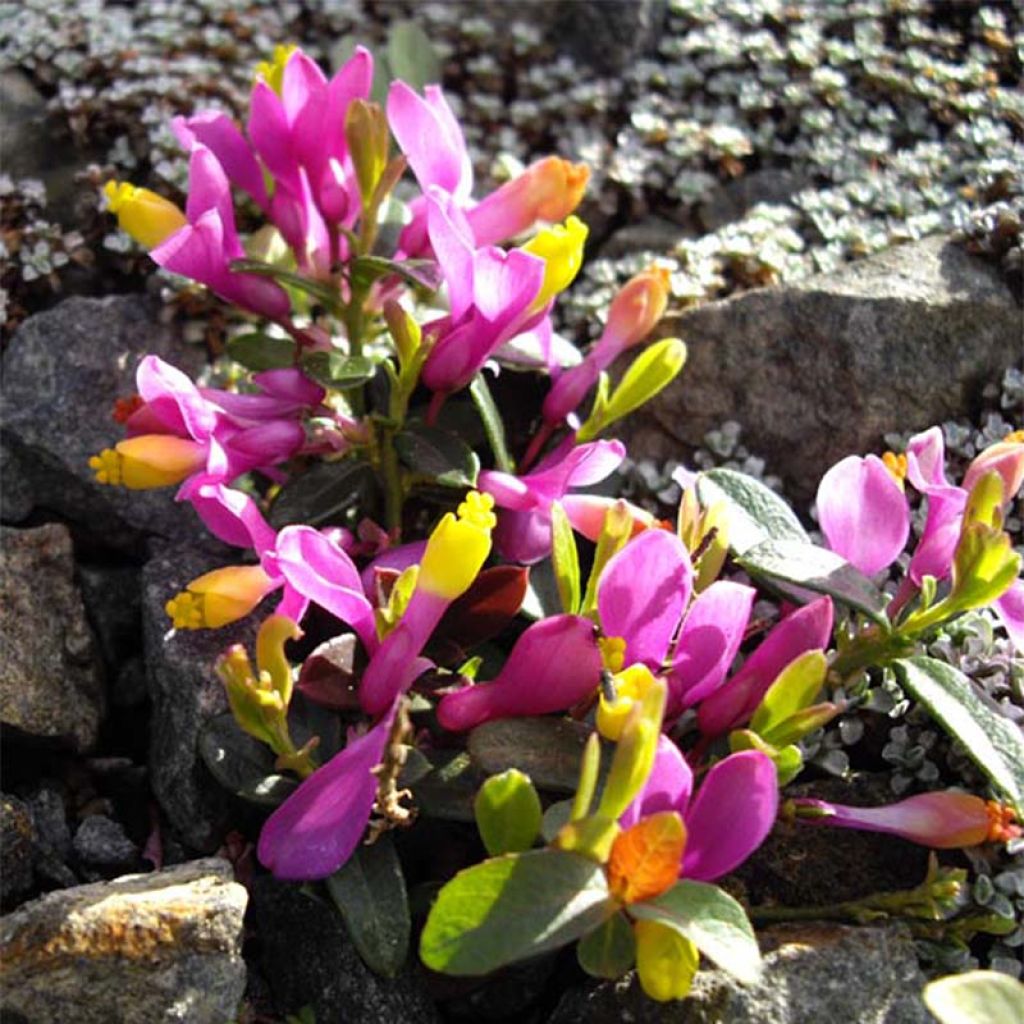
x=872, y=647
x=392, y=476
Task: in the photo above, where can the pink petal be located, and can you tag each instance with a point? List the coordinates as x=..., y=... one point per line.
x=933, y=555
x=926, y=460
x=807, y=629
x=569, y=390
x=642, y=594
x=505, y=283
x=316, y=829
x=229, y=514
x=708, y=643
x=1009, y=606
x=208, y=188
x=667, y=787
x=398, y=558
x=224, y=139
x=508, y=490
x=733, y=812
x=863, y=512
x=587, y=514
x=302, y=84
x=553, y=665
x=573, y=465
x=291, y=385
x=267, y=444
x=429, y=137
x=270, y=134
x=523, y=537
x=175, y=400
x=453, y=247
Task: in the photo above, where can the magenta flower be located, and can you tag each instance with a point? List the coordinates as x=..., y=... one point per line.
x=945, y=820
x=729, y=818
x=319, y=826
x=554, y=665
x=524, y=526
x=806, y=629
x=205, y=247
x=863, y=513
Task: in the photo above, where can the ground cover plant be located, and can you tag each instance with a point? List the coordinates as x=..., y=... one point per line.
x=466, y=589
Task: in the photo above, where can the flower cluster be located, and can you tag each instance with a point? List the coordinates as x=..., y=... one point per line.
x=339, y=466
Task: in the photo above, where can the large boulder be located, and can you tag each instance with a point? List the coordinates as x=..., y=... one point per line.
x=813, y=972
x=50, y=683
x=141, y=949
x=62, y=372
x=824, y=367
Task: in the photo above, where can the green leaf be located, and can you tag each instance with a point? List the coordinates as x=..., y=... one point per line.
x=323, y=493
x=494, y=427
x=756, y=513
x=326, y=294
x=993, y=742
x=338, y=370
x=508, y=813
x=712, y=920
x=241, y=764
x=511, y=908
x=542, y=597
x=555, y=817
x=369, y=891
x=976, y=997
x=411, y=57
x=609, y=950
x=565, y=560
x=438, y=454
x=799, y=571
x=448, y=790
x=417, y=273
x=257, y=351
x=793, y=689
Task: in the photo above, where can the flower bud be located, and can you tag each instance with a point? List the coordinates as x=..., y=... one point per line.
x=147, y=217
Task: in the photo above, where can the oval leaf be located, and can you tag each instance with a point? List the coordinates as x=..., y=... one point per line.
x=565, y=560
x=976, y=997
x=799, y=571
x=712, y=920
x=511, y=908
x=326, y=294
x=448, y=790
x=369, y=891
x=338, y=370
x=494, y=426
x=794, y=689
x=262, y=352
x=322, y=494
x=438, y=454
x=411, y=55
x=608, y=951
x=756, y=513
x=993, y=742
x=508, y=813
x=241, y=764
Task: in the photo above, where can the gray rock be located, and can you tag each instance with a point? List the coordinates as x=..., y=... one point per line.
x=185, y=694
x=16, y=502
x=113, y=601
x=51, y=822
x=607, y=35
x=309, y=960
x=17, y=846
x=50, y=685
x=62, y=372
x=824, y=367
x=813, y=972
x=731, y=201
x=102, y=842
x=142, y=949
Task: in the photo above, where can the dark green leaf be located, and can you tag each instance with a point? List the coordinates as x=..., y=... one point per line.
x=756, y=513
x=257, y=351
x=447, y=792
x=993, y=742
x=241, y=764
x=337, y=370
x=800, y=571
x=712, y=920
x=370, y=893
x=324, y=293
x=417, y=273
x=542, y=597
x=438, y=455
x=494, y=426
x=548, y=750
x=609, y=950
x=322, y=494
x=508, y=813
x=565, y=560
x=411, y=55
x=511, y=908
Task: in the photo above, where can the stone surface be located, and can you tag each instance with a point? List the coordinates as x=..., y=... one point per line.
x=309, y=961
x=62, y=372
x=142, y=949
x=185, y=694
x=731, y=201
x=824, y=367
x=50, y=685
x=17, y=844
x=113, y=602
x=813, y=973
x=102, y=842
x=606, y=36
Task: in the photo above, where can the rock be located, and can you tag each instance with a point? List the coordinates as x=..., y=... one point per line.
x=62, y=372
x=813, y=972
x=309, y=960
x=731, y=201
x=102, y=843
x=607, y=36
x=113, y=601
x=18, y=500
x=50, y=686
x=652, y=234
x=185, y=694
x=142, y=949
x=824, y=367
x=17, y=845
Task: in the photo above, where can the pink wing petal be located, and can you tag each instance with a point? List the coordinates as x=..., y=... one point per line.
x=553, y=665
x=1009, y=606
x=933, y=555
x=667, y=787
x=316, y=829
x=229, y=514
x=175, y=399
x=643, y=592
x=708, y=643
x=733, y=812
x=863, y=512
x=215, y=130
x=436, y=158
x=926, y=460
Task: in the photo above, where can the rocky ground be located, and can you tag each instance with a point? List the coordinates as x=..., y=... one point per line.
x=837, y=189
